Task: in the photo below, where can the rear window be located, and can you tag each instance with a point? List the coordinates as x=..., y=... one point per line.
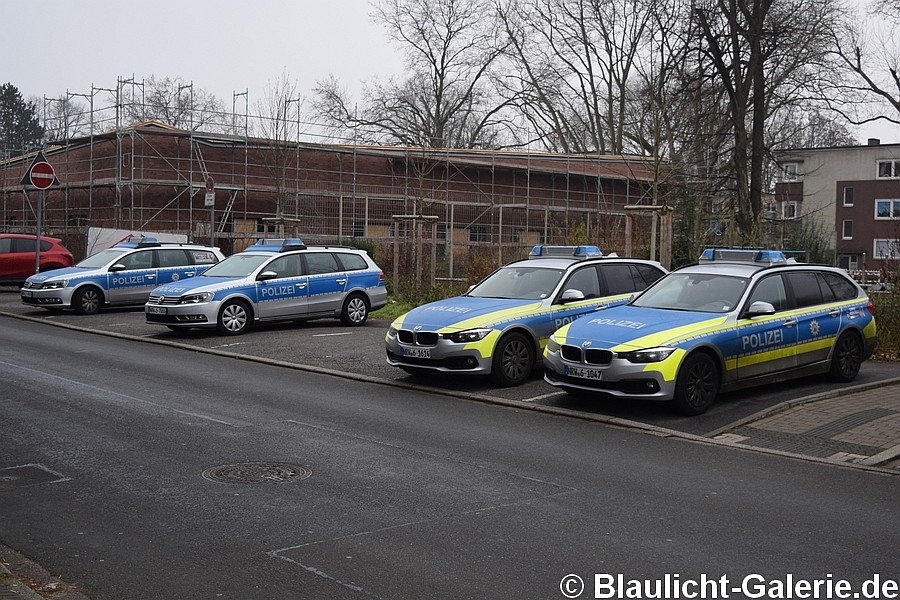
x=203, y=257
x=843, y=288
x=352, y=262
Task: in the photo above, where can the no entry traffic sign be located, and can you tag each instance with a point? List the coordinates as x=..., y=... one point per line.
x=42, y=175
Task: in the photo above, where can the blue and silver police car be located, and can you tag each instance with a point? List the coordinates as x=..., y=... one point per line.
x=500, y=326
x=739, y=318
x=273, y=280
x=121, y=275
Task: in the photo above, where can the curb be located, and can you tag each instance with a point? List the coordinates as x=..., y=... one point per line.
x=12, y=584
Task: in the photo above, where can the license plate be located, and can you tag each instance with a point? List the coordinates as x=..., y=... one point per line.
x=156, y=310
x=583, y=373
x=417, y=352
x=27, y=293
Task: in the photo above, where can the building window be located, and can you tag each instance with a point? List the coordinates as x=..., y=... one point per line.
x=848, y=196
x=477, y=233
x=789, y=210
x=359, y=229
x=887, y=209
x=847, y=229
x=884, y=249
x=888, y=169
x=848, y=262
x=789, y=171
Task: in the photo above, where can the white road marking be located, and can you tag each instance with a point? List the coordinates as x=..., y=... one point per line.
x=542, y=396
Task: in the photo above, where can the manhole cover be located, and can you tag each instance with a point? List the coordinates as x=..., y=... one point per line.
x=257, y=472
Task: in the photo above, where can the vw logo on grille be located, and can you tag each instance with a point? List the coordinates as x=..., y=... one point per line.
x=162, y=299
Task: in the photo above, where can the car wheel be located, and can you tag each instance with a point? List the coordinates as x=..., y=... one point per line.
x=234, y=318
x=513, y=360
x=355, y=310
x=846, y=357
x=87, y=300
x=697, y=384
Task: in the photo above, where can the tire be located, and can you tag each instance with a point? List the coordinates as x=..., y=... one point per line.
x=846, y=357
x=697, y=385
x=234, y=318
x=87, y=300
x=355, y=310
x=513, y=360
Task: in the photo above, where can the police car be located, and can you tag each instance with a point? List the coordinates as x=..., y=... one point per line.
x=500, y=326
x=737, y=319
x=273, y=280
x=121, y=275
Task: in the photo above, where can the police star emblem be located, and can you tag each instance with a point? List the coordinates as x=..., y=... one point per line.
x=814, y=328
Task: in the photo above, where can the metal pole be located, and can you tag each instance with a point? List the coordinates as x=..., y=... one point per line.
x=37, y=233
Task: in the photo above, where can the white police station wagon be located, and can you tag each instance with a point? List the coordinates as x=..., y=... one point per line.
x=739, y=318
x=500, y=326
x=122, y=275
x=273, y=280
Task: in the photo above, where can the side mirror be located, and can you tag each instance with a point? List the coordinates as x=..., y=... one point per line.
x=571, y=295
x=116, y=268
x=266, y=275
x=760, y=309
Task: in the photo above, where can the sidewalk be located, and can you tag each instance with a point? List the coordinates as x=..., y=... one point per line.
x=859, y=426
x=20, y=577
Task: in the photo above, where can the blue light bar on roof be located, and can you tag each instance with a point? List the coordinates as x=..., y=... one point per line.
x=583, y=251
x=138, y=242
x=769, y=257
x=276, y=245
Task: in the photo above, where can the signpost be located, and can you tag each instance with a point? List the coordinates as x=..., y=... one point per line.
x=210, y=201
x=41, y=176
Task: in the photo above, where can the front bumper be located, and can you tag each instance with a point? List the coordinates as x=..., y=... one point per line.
x=203, y=314
x=618, y=377
x=430, y=350
x=54, y=298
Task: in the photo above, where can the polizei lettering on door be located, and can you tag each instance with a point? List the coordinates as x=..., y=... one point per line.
x=763, y=339
x=129, y=280
x=276, y=291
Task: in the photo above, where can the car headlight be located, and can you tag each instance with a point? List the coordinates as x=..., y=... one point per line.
x=470, y=335
x=196, y=298
x=55, y=285
x=392, y=331
x=553, y=345
x=648, y=355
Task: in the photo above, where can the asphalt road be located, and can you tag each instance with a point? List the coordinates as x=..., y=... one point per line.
x=407, y=494
x=325, y=344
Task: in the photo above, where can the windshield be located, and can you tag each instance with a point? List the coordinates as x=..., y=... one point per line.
x=238, y=265
x=701, y=292
x=101, y=259
x=521, y=283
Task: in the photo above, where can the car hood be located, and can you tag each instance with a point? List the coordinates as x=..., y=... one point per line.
x=636, y=327
x=194, y=285
x=466, y=312
x=64, y=273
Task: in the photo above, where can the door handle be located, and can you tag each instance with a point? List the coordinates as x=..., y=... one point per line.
x=341, y=281
x=151, y=276
x=189, y=274
x=301, y=285
x=835, y=312
x=790, y=322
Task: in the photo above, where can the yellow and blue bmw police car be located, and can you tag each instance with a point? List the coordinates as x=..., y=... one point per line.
x=722, y=324
x=500, y=326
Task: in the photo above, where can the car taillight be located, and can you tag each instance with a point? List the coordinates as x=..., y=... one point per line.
x=870, y=307
x=381, y=277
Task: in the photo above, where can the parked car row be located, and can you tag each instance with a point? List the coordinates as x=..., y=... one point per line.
x=595, y=323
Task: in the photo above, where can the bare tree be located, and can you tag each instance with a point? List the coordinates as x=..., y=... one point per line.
x=447, y=100
x=762, y=54
x=175, y=102
x=868, y=52
x=574, y=69
x=279, y=124
x=64, y=118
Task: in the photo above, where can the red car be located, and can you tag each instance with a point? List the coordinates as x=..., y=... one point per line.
x=17, y=256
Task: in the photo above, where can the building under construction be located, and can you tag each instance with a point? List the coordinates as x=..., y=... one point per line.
x=234, y=189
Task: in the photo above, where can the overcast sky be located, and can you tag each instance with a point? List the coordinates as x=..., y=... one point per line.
x=222, y=46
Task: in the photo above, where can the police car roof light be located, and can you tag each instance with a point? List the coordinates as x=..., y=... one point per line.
x=582, y=252
x=769, y=257
x=142, y=242
x=276, y=245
